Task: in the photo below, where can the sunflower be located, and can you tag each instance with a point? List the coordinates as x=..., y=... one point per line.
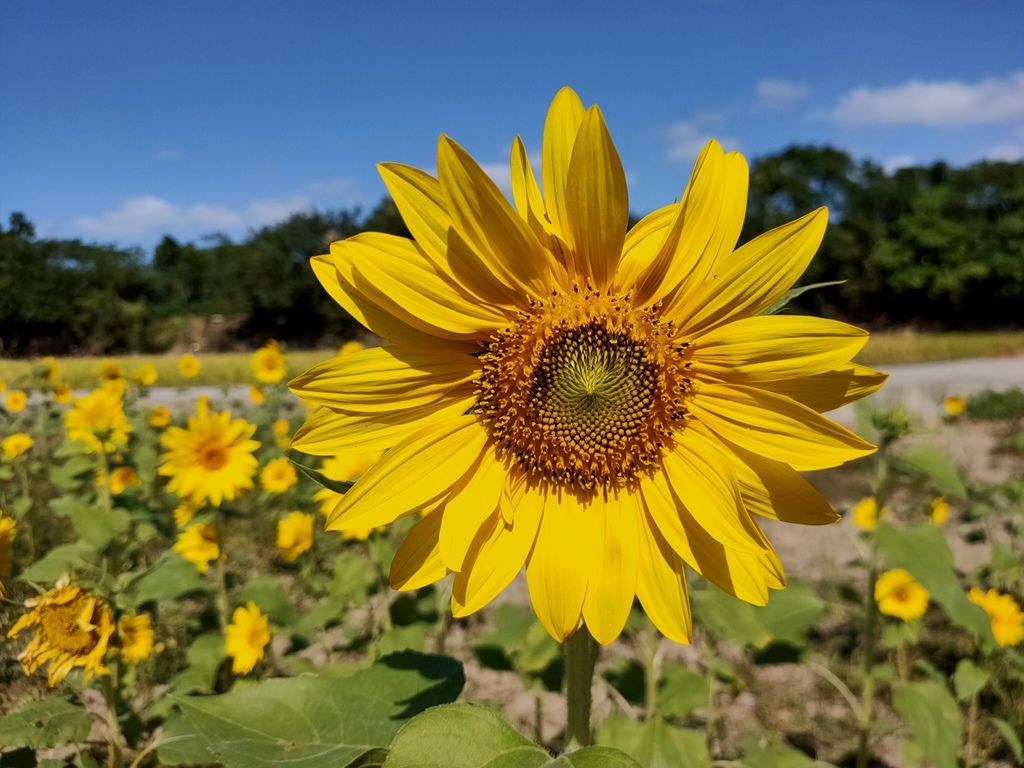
x=160, y=417
x=146, y=375
x=199, y=545
x=62, y=394
x=188, y=366
x=602, y=406
x=183, y=514
x=954, y=405
x=211, y=460
x=247, y=636
x=268, y=363
x=866, y=513
x=16, y=444
x=282, y=433
x=98, y=419
x=123, y=478
x=257, y=395
x=940, y=511
x=348, y=467
x=71, y=629
x=294, y=535
x=278, y=476
x=350, y=347
x=8, y=528
x=109, y=370
x=135, y=634
x=15, y=401
x=899, y=595
x=1004, y=613
x=48, y=369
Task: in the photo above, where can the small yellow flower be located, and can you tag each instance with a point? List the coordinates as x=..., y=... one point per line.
x=954, y=405
x=146, y=375
x=71, y=628
x=198, y=544
x=183, y=514
x=62, y=394
x=8, y=528
x=294, y=535
x=278, y=476
x=899, y=595
x=282, y=431
x=211, y=460
x=160, y=417
x=350, y=347
x=136, y=636
x=247, y=636
x=360, y=534
x=188, y=366
x=15, y=445
x=16, y=401
x=257, y=395
x=123, y=478
x=350, y=466
x=49, y=369
x=1004, y=613
x=268, y=363
x=99, y=420
x=109, y=369
x=866, y=513
x=940, y=511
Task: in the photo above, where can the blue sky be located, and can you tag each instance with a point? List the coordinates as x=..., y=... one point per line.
x=125, y=120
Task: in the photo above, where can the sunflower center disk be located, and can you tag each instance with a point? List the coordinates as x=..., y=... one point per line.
x=59, y=625
x=584, y=391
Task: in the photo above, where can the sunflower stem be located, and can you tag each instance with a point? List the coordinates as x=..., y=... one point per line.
x=580, y=657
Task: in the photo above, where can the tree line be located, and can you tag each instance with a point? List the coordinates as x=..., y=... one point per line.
x=934, y=247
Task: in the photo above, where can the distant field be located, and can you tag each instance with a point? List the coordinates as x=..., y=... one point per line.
x=233, y=367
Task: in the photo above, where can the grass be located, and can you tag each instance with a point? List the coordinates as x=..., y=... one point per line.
x=233, y=367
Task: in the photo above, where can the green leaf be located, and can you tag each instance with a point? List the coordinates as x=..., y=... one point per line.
x=728, y=618
x=655, y=743
x=787, y=618
x=66, y=558
x=42, y=723
x=792, y=612
x=681, y=691
x=170, y=577
x=338, y=486
x=934, y=720
x=756, y=756
x=321, y=721
x=270, y=597
x=204, y=659
x=181, y=744
x=595, y=757
x=934, y=464
x=354, y=576
x=1010, y=736
x=97, y=527
x=923, y=551
x=792, y=293
x=68, y=475
x=968, y=679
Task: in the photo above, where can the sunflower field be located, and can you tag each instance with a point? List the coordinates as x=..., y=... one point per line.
x=534, y=526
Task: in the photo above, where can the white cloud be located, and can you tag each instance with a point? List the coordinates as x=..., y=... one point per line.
x=687, y=138
x=169, y=154
x=774, y=93
x=151, y=216
x=894, y=163
x=1007, y=151
x=937, y=103
x=500, y=173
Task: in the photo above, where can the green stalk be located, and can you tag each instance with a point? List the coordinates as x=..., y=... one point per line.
x=580, y=657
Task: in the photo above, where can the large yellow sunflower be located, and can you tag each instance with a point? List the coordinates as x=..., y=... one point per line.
x=602, y=406
x=213, y=459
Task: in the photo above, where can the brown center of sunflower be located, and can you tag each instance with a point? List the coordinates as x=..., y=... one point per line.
x=584, y=390
x=213, y=456
x=60, y=628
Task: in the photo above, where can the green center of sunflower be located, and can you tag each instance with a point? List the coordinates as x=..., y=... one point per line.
x=585, y=390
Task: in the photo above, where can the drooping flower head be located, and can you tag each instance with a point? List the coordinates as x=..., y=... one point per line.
x=71, y=628
x=98, y=419
x=211, y=461
x=268, y=363
x=247, y=636
x=294, y=535
x=1003, y=611
x=598, y=404
x=135, y=634
x=899, y=594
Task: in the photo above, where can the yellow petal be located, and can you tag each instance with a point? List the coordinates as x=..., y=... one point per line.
x=642, y=244
x=661, y=584
x=497, y=555
x=830, y=390
x=487, y=223
x=419, y=469
x=417, y=562
x=596, y=199
x=777, y=491
x=560, y=129
x=767, y=347
x=733, y=212
x=386, y=378
x=613, y=565
x=557, y=569
x=328, y=432
x=776, y=427
x=703, y=477
x=471, y=502
x=751, y=279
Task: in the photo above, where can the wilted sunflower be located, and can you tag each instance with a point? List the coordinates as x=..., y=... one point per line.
x=71, y=629
x=598, y=404
x=211, y=460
